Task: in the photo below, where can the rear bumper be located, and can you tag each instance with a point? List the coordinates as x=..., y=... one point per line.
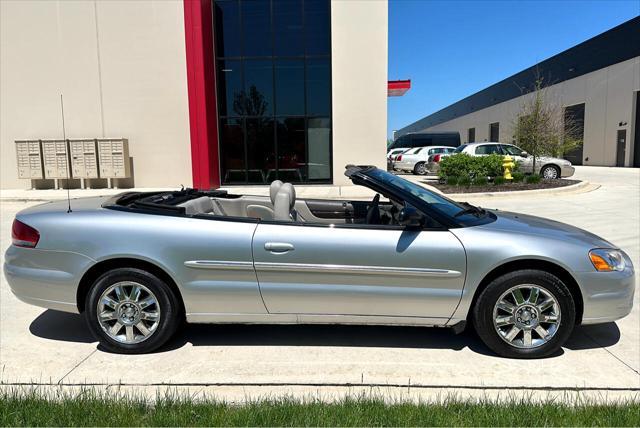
x=45, y=278
x=404, y=166
x=607, y=296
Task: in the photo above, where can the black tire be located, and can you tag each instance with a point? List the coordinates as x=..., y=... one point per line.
x=482, y=313
x=170, y=310
x=551, y=168
x=420, y=169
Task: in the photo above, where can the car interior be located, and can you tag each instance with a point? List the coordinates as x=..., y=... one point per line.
x=282, y=205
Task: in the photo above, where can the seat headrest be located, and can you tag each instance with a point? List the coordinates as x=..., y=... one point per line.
x=273, y=190
x=291, y=191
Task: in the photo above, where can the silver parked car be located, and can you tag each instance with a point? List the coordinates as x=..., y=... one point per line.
x=547, y=167
x=138, y=264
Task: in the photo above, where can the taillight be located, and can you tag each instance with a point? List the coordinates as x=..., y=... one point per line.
x=436, y=158
x=399, y=158
x=23, y=235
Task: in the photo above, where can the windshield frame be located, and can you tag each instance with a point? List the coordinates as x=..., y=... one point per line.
x=384, y=182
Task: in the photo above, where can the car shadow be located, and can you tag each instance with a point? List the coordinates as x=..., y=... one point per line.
x=67, y=327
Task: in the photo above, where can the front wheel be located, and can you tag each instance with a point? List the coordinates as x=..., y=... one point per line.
x=550, y=172
x=131, y=311
x=525, y=314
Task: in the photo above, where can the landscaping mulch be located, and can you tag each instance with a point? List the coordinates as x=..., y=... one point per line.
x=507, y=187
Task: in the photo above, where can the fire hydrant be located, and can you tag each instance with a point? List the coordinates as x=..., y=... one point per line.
x=508, y=165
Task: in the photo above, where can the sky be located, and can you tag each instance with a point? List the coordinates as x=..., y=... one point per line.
x=452, y=49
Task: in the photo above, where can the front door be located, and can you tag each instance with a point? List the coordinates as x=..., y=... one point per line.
x=621, y=147
x=358, y=270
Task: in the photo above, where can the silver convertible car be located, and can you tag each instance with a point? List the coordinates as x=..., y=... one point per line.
x=138, y=264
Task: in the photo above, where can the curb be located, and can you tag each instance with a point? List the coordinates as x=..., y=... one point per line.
x=565, y=189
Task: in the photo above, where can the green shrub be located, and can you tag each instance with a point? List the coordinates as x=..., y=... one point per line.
x=480, y=181
x=518, y=177
x=461, y=164
x=452, y=181
x=499, y=180
x=533, y=179
x=465, y=180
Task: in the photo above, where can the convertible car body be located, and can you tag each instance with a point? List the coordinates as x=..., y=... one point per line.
x=139, y=263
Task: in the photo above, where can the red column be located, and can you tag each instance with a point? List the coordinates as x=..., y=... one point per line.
x=201, y=81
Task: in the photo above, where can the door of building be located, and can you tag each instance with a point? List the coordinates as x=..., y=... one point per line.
x=622, y=145
x=636, y=144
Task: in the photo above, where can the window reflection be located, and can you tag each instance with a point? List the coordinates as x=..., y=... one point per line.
x=274, y=90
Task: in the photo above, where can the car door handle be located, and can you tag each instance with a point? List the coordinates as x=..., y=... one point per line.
x=278, y=247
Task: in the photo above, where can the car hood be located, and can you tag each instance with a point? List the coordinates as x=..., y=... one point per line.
x=527, y=224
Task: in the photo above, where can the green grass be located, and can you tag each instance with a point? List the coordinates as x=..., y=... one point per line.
x=91, y=409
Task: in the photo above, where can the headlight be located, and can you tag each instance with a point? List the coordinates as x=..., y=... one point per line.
x=605, y=260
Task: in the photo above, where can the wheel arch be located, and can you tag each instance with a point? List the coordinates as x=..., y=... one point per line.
x=103, y=266
x=544, y=265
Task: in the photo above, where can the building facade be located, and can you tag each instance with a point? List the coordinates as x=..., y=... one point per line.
x=207, y=92
x=596, y=83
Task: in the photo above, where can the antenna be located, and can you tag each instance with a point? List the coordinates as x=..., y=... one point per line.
x=64, y=137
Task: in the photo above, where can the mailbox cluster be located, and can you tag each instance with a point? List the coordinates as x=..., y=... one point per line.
x=89, y=158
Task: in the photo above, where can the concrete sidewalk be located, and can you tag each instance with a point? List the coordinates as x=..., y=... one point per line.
x=234, y=361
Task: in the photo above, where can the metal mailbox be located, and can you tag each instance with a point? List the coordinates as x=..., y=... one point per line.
x=29, y=155
x=55, y=158
x=113, y=156
x=84, y=158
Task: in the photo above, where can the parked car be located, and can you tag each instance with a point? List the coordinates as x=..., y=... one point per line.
x=423, y=139
x=547, y=167
x=391, y=154
x=137, y=264
x=433, y=163
x=415, y=160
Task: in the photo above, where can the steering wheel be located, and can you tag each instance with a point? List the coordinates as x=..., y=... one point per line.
x=373, y=213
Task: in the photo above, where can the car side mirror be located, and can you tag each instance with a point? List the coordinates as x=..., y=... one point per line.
x=409, y=216
x=524, y=154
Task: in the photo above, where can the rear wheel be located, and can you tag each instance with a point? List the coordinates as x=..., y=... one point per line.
x=525, y=314
x=420, y=168
x=131, y=311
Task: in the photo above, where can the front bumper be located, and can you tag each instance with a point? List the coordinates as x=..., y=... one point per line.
x=607, y=296
x=45, y=278
x=567, y=171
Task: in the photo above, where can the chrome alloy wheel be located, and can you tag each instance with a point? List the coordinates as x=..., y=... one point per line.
x=526, y=316
x=128, y=312
x=421, y=169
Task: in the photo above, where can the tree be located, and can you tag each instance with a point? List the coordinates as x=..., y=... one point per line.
x=252, y=104
x=541, y=127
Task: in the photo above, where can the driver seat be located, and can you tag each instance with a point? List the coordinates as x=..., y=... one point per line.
x=263, y=212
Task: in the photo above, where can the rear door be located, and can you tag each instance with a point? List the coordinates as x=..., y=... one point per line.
x=358, y=270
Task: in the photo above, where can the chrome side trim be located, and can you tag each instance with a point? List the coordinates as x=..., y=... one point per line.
x=353, y=269
x=218, y=264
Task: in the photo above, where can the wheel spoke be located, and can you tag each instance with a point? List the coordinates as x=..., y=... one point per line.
x=542, y=332
x=108, y=316
x=129, y=332
x=506, y=306
x=552, y=319
x=545, y=305
x=149, y=316
x=147, y=302
x=533, y=297
x=108, y=301
x=505, y=320
x=115, y=329
x=120, y=294
x=143, y=328
x=527, y=340
x=134, y=296
x=517, y=296
x=512, y=333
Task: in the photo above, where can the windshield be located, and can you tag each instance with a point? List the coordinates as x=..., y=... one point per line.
x=460, y=148
x=444, y=205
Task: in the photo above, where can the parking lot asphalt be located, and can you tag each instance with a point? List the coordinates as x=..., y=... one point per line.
x=234, y=361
